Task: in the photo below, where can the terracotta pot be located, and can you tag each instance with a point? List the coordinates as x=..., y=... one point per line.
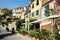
x=28, y=36
x=24, y=34
x=36, y=38
x=33, y=38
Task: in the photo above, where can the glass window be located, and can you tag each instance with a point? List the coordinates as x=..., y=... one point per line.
x=32, y=5
x=37, y=12
x=37, y=2
x=33, y=14
x=58, y=27
x=47, y=10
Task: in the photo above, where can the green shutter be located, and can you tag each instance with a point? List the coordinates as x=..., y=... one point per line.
x=33, y=14
x=32, y=5
x=47, y=10
x=37, y=2
x=37, y=12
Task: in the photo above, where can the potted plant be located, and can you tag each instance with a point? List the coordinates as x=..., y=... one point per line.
x=56, y=35
x=33, y=34
x=43, y=35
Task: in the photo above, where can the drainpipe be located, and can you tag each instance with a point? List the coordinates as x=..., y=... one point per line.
x=28, y=23
x=40, y=27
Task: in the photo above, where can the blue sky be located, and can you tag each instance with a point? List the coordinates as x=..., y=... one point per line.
x=10, y=4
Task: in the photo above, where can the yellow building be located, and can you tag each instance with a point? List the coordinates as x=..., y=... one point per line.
x=35, y=9
x=19, y=12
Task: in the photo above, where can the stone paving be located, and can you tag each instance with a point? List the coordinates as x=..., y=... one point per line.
x=4, y=35
x=16, y=37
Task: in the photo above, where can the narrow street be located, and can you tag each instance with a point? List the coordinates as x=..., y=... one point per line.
x=4, y=35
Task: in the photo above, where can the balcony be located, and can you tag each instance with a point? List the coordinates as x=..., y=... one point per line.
x=56, y=11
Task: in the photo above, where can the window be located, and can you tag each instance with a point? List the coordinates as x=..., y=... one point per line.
x=18, y=12
x=33, y=14
x=47, y=10
x=58, y=27
x=37, y=12
x=32, y=5
x=37, y=2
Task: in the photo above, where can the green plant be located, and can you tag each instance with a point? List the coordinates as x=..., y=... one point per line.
x=16, y=18
x=33, y=33
x=3, y=24
x=44, y=34
x=22, y=32
x=9, y=20
x=32, y=19
x=56, y=35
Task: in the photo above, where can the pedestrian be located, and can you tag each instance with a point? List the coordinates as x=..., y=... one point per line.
x=13, y=31
x=7, y=29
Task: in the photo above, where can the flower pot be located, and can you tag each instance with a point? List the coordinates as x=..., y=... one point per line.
x=36, y=38
x=24, y=34
x=33, y=38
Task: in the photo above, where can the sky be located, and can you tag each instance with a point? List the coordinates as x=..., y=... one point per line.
x=10, y=4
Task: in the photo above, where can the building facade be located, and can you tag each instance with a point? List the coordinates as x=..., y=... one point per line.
x=44, y=11
x=19, y=12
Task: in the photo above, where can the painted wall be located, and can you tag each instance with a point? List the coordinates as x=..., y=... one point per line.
x=36, y=7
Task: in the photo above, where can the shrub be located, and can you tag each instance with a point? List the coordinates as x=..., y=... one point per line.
x=43, y=34
x=32, y=19
x=56, y=35
x=33, y=33
x=22, y=32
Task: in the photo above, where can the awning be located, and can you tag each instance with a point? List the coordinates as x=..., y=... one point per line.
x=37, y=21
x=52, y=16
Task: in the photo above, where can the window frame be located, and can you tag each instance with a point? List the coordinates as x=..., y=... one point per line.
x=37, y=2
x=46, y=15
x=32, y=5
x=37, y=12
x=32, y=14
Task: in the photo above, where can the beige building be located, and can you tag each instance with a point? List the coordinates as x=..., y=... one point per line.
x=19, y=12
x=35, y=9
x=45, y=13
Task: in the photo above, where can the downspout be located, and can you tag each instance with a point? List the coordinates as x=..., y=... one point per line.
x=41, y=16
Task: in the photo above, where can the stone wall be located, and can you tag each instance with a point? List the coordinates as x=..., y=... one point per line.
x=12, y=25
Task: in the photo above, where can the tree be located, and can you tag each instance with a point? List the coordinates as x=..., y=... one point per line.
x=7, y=15
x=6, y=11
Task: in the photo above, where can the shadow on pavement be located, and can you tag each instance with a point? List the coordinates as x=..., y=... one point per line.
x=6, y=35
